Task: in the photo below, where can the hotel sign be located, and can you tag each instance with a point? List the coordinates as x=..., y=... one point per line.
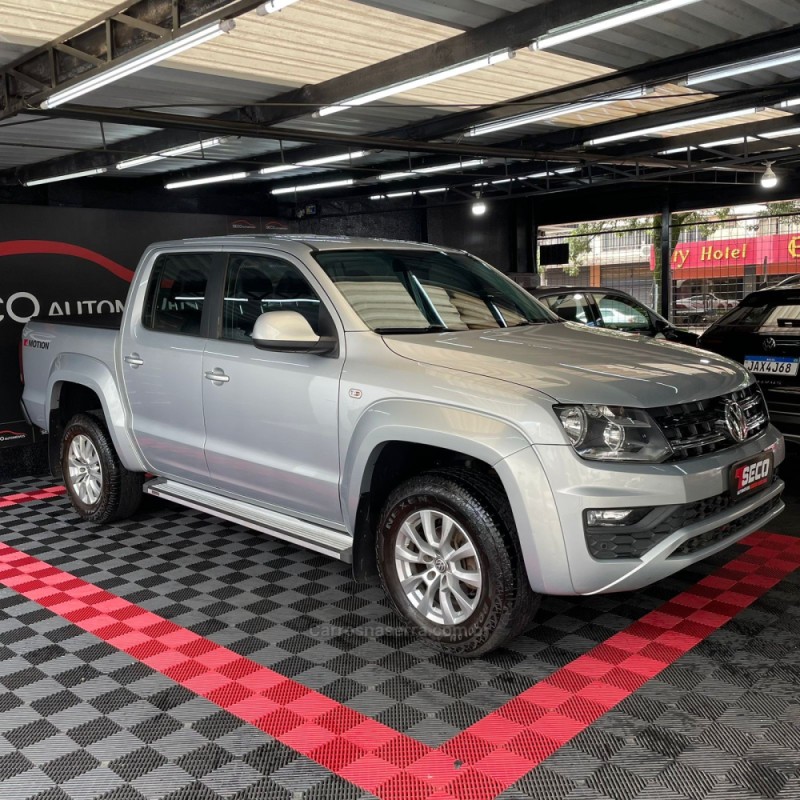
x=733, y=253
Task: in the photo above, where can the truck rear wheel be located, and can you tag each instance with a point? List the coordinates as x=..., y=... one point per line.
x=449, y=561
x=100, y=488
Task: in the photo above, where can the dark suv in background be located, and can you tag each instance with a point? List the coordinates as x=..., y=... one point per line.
x=763, y=333
x=609, y=308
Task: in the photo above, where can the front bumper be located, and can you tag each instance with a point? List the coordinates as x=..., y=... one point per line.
x=553, y=486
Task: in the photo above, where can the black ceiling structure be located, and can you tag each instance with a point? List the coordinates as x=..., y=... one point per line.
x=533, y=160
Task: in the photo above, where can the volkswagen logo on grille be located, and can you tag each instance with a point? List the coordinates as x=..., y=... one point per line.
x=736, y=421
x=768, y=343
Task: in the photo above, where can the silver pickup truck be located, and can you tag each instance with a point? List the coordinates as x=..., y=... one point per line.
x=411, y=410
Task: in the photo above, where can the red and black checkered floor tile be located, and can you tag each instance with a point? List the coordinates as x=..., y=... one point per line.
x=177, y=656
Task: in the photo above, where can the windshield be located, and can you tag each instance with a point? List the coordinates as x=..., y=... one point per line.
x=420, y=291
x=764, y=310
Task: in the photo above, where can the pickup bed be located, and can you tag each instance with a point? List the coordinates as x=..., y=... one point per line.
x=409, y=409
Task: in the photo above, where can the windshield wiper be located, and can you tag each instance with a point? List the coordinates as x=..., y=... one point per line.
x=429, y=329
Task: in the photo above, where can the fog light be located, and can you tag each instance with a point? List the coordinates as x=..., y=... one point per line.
x=607, y=516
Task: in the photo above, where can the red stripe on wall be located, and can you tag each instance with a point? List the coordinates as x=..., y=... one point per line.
x=478, y=763
x=27, y=247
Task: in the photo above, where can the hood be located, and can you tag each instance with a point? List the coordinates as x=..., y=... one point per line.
x=577, y=364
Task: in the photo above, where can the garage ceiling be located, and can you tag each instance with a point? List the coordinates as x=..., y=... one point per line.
x=256, y=89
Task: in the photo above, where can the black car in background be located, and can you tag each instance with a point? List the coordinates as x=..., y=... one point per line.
x=609, y=308
x=763, y=333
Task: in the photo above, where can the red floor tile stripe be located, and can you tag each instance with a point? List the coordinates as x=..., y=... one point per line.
x=8, y=500
x=505, y=745
x=478, y=763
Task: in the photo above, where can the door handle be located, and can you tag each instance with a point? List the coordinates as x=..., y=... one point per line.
x=135, y=360
x=217, y=376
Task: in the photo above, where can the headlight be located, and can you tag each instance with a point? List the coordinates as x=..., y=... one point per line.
x=613, y=433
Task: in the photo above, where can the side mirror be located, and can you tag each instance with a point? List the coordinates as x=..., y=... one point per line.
x=661, y=325
x=289, y=332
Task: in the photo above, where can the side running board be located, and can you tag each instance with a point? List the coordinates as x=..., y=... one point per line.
x=305, y=534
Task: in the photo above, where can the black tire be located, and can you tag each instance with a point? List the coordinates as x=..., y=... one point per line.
x=120, y=489
x=505, y=604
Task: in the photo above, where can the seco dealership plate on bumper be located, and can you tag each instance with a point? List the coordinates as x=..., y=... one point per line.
x=771, y=365
x=751, y=475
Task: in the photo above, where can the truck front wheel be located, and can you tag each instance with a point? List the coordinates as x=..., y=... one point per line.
x=100, y=488
x=449, y=561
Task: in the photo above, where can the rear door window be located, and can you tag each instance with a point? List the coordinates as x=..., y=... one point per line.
x=176, y=294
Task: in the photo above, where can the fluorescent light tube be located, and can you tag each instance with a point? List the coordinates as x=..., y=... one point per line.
x=400, y=194
x=231, y=176
x=604, y=22
x=674, y=150
x=780, y=133
x=138, y=161
x=455, y=165
x=271, y=6
x=279, y=168
x=185, y=149
x=194, y=147
x=618, y=137
x=743, y=67
x=554, y=111
x=437, y=190
x=311, y=186
x=726, y=142
x=552, y=172
x=718, y=143
x=132, y=65
x=422, y=80
x=316, y=162
x=795, y=101
x=56, y=178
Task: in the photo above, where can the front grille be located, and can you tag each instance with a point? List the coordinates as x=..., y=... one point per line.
x=716, y=535
x=698, y=428
x=633, y=541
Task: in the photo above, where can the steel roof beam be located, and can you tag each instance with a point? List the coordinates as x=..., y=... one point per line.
x=654, y=146
x=129, y=29
x=514, y=30
x=756, y=97
x=650, y=73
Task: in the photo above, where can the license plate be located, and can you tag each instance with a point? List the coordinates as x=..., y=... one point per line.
x=771, y=365
x=751, y=475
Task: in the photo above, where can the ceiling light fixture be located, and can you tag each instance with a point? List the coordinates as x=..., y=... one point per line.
x=618, y=137
x=455, y=165
x=279, y=168
x=780, y=133
x=769, y=180
x=743, y=67
x=271, y=6
x=68, y=177
x=604, y=22
x=311, y=186
x=230, y=176
x=551, y=173
x=317, y=162
x=415, y=83
x=183, y=150
x=479, y=206
x=132, y=65
x=554, y=111
x=718, y=143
